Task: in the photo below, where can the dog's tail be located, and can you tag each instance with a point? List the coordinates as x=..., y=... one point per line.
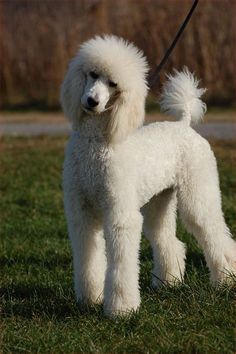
x=181, y=97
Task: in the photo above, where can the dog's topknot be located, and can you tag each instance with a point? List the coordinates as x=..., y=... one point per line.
x=117, y=58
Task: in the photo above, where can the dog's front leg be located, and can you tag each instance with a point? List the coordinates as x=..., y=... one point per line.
x=122, y=233
x=88, y=246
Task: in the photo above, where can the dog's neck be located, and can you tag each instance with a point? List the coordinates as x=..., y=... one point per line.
x=97, y=128
x=93, y=127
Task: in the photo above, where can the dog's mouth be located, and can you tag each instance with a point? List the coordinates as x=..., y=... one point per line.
x=89, y=110
x=108, y=107
x=110, y=104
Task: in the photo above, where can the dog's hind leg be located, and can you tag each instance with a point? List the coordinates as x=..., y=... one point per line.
x=160, y=230
x=200, y=209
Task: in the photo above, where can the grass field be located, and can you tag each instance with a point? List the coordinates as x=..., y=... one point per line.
x=38, y=309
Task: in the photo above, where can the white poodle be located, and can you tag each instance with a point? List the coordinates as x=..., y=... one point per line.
x=120, y=176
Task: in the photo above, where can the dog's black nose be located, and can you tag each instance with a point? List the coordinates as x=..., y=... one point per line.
x=92, y=102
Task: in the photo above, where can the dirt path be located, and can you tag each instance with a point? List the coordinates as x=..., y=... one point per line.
x=36, y=123
x=227, y=115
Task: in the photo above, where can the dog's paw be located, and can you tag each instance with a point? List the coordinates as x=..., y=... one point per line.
x=118, y=306
x=95, y=299
x=158, y=281
x=224, y=272
x=224, y=276
x=88, y=294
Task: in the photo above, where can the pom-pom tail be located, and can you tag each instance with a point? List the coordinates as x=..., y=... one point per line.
x=181, y=97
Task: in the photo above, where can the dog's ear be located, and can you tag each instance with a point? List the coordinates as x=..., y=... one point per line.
x=71, y=91
x=127, y=115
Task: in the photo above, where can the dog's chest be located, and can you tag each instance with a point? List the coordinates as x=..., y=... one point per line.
x=92, y=167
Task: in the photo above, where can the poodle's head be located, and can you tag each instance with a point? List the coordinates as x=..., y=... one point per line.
x=106, y=80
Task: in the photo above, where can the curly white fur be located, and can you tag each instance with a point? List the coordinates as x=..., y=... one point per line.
x=181, y=97
x=120, y=176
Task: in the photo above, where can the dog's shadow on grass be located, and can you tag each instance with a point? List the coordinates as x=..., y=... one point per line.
x=55, y=260
x=58, y=301
x=39, y=301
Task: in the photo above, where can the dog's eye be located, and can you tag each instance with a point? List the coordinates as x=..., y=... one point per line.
x=112, y=84
x=94, y=75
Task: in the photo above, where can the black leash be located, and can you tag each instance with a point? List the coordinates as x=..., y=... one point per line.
x=153, y=78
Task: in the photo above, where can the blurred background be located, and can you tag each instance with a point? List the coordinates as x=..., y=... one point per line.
x=39, y=37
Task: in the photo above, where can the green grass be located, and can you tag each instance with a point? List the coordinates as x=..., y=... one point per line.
x=38, y=309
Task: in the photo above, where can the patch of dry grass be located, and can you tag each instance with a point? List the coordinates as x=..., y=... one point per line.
x=38, y=38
